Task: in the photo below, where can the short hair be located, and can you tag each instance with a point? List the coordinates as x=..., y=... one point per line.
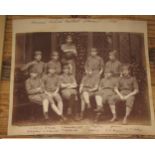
x=126, y=66
x=113, y=52
x=93, y=48
x=55, y=53
x=32, y=70
x=69, y=36
x=38, y=53
x=66, y=66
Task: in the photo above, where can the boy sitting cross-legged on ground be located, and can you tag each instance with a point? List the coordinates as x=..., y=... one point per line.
x=126, y=89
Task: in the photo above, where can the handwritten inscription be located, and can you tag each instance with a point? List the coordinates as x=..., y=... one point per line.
x=40, y=21
x=84, y=129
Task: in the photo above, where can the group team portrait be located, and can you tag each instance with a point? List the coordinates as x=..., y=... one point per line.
x=80, y=78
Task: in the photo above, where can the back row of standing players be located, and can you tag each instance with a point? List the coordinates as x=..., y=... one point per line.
x=54, y=85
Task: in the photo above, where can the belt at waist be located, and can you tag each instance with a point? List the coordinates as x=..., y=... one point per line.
x=125, y=89
x=108, y=88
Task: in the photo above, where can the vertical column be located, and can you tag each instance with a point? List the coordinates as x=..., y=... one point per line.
x=53, y=41
x=90, y=42
x=29, y=47
x=20, y=49
x=124, y=47
x=115, y=41
x=134, y=47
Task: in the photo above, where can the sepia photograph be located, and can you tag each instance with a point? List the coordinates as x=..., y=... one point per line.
x=80, y=77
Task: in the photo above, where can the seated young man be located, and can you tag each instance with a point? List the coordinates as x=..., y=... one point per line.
x=126, y=89
x=88, y=87
x=35, y=91
x=68, y=90
x=51, y=84
x=105, y=92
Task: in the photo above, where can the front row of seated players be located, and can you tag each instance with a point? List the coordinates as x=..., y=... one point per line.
x=46, y=91
x=111, y=88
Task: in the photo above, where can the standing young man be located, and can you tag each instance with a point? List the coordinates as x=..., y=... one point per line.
x=126, y=89
x=69, y=53
x=54, y=62
x=36, y=64
x=94, y=62
x=113, y=65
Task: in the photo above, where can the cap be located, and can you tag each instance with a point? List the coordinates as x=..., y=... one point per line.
x=33, y=70
x=38, y=52
x=69, y=36
x=113, y=52
x=55, y=53
x=94, y=49
x=126, y=66
x=66, y=66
